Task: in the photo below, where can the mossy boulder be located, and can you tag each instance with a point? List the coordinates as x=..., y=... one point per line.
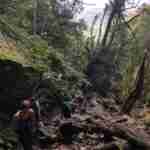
x=17, y=82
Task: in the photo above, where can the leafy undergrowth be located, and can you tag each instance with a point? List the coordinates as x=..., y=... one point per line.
x=8, y=139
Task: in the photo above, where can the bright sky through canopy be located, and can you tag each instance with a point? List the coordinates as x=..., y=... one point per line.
x=101, y=3
x=96, y=3
x=92, y=7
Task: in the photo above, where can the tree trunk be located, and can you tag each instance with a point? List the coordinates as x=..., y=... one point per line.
x=35, y=4
x=137, y=92
x=108, y=27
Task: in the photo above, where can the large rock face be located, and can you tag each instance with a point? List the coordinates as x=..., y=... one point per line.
x=15, y=84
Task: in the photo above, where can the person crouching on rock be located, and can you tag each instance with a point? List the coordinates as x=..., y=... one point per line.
x=25, y=124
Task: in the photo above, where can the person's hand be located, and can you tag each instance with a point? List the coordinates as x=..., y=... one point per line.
x=16, y=115
x=40, y=124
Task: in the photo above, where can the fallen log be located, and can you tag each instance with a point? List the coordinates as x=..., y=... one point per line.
x=110, y=146
x=116, y=146
x=120, y=131
x=111, y=130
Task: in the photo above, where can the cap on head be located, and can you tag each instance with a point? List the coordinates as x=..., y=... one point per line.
x=26, y=103
x=29, y=99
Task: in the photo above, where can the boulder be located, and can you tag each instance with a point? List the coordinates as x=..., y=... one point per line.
x=17, y=82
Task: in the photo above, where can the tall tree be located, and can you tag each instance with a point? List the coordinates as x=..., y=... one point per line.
x=35, y=15
x=101, y=68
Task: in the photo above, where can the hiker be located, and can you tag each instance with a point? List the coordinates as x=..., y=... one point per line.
x=66, y=105
x=25, y=119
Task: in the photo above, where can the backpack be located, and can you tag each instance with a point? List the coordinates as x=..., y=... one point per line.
x=66, y=107
x=21, y=121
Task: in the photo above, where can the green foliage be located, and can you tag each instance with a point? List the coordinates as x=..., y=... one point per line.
x=8, y=139
x=39, y=53
x=57, y=46
x=62, y=74
x=147, y=98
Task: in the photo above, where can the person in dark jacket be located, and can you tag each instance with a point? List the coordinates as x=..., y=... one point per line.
x=25, y=118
